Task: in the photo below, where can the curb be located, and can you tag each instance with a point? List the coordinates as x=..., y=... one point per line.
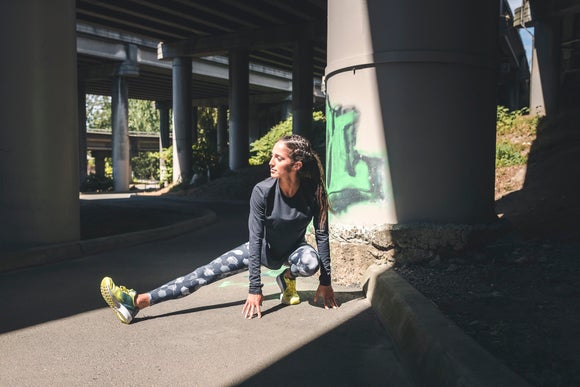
x=64, y=251
x=434, y=349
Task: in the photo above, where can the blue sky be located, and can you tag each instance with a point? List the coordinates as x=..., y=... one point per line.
x=526, y=38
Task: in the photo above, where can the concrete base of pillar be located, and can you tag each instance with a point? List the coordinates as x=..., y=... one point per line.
x=354, y=249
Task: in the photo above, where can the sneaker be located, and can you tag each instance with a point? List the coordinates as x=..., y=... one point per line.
x=120, y=299
x=289, y=295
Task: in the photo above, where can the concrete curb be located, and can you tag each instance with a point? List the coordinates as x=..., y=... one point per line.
x=65, y=251
x=433, y=348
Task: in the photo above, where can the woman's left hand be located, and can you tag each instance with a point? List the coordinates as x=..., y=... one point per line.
x=327, y=295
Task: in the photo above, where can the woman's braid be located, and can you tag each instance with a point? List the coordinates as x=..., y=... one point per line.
x=312, y=169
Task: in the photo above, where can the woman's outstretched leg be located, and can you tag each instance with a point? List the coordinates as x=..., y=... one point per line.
x=126, y=302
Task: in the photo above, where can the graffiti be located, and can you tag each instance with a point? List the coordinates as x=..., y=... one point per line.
x=352, y=177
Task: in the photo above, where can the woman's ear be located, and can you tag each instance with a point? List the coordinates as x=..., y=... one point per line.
x=297, y=165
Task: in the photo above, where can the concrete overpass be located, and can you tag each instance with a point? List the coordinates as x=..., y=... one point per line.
x=401, y=79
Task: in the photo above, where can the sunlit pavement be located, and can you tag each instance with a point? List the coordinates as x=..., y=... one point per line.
x=56, y=330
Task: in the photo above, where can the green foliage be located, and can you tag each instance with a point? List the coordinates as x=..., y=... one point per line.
x=143, y=116
x=508, y=154
x=261, y=149
x=205, y=157
x=515, y=122
x=167, y=157
x=146, y=165
x=96, y=183
x=98, y=110
x=515, y=131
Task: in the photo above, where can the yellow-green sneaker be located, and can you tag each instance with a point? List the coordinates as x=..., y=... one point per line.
x=289, y=295
x=121, y=300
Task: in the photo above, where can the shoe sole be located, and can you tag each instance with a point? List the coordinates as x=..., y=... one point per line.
x=123, y=314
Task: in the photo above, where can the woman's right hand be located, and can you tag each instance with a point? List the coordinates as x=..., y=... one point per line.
x=253, y=306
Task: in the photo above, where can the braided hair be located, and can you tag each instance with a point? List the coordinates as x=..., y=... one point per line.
x=312, y=169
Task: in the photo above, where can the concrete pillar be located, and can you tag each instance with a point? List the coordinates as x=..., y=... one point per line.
x=120, y=135
x=182, y=138
x=163, y=108
x=39, y=166
x=411, y=111
x=239, y=109
x=99, y=162
x=222, y=132
x=302, y=89
x=82, y=128
x=545, y=74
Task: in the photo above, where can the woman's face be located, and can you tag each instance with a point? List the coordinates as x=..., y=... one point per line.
x=281, y=164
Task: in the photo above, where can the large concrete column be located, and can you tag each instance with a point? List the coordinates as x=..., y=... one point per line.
x=163, y=108
x=39, y=166
x=302, y=89
x=222, y=132
x=545, y=75
x=411, y=111
x=100, y=162
x=82, y=128
x=239, y=109
x=121, y=145
x=182, y=138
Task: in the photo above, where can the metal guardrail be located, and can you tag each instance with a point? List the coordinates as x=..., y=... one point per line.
x=132, y=133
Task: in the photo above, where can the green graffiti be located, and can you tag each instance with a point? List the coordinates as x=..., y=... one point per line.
x=351, y=176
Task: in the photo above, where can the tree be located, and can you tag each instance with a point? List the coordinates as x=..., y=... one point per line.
x=143, y=116
x=98, y=110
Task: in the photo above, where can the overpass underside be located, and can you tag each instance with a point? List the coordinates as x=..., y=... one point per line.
x=411, y=98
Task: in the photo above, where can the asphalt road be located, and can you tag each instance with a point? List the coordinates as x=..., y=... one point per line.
x=56, y=330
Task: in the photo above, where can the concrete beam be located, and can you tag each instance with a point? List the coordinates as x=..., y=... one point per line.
x=249, y=39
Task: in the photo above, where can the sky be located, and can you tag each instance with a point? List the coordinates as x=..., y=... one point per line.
x=526, y=37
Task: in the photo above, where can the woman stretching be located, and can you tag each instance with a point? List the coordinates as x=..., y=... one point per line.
x=281, y=207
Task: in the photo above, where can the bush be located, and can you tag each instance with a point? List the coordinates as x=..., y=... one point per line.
x=96, y=183
x=261, y=149
x=146, y=165
x=508, y=154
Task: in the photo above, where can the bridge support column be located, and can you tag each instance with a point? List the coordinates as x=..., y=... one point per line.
x=411, y=108
x=302, y=89
x=39, y=166
x=163, y=108
x=82, y=114
x=222, y=132
x=239, y=109
x=182, y=138
x=544, y=79
x=120, y=139
x=99, y=162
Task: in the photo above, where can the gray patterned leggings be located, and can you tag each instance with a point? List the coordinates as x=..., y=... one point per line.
x=303, y=262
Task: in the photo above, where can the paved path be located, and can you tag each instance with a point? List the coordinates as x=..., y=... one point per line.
x=56, y=330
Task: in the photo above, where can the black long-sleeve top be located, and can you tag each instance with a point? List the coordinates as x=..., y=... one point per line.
x=277, y=226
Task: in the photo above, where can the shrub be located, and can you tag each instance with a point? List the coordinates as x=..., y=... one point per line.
x=146, y=165
x=508, y=154
x=261, y=149
x=96, y=183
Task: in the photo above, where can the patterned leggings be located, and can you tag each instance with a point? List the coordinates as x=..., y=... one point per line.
x=303, y=262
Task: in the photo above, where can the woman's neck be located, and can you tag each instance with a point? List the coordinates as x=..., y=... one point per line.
x=289, y=186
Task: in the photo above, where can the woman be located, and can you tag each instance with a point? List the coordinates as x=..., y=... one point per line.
x=281, y=207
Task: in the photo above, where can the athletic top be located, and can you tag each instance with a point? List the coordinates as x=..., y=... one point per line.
x=277, y=226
